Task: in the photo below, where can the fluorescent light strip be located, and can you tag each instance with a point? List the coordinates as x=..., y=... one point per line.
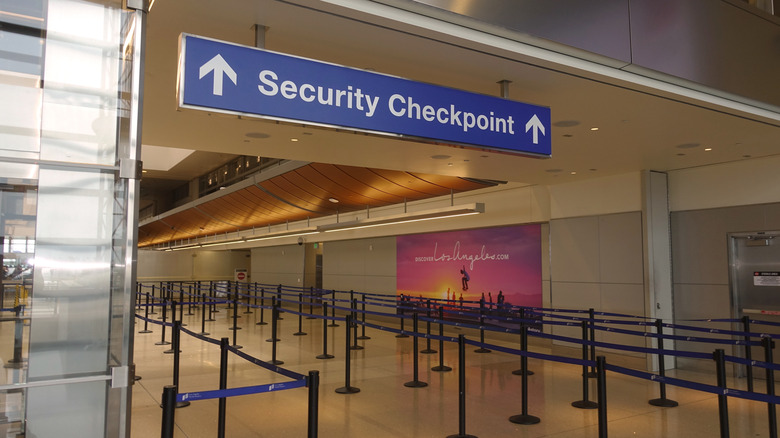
x=279, y=237
x=357, y=227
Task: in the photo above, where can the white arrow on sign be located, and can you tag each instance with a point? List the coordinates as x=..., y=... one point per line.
x=537, y=126
x=219, y=66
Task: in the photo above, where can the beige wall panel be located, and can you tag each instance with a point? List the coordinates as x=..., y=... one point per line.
x=575, y=250
x=621, y=253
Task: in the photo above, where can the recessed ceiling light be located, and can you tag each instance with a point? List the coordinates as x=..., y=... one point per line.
x=573, y=173
x=595, y=128
x=293, y=139
x=707, y=149
x=568, y=135
x=449, y=164
x=566, y=123
x=441, y=157
x=333, y=200
x=257, y=135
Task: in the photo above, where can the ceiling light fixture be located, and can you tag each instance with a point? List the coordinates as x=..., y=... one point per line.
x=595, y=128
x=439, y=213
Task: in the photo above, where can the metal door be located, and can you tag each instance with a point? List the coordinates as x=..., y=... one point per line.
x=755, y=284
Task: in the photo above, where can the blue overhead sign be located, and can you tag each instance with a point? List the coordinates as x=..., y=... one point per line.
x=224, y=77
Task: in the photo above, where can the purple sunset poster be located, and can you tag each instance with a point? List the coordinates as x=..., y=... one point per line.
x=505, y=259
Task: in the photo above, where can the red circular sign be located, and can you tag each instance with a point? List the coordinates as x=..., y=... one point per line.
x=241, y=275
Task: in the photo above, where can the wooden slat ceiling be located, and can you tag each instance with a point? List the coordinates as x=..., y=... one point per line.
x=300, y=194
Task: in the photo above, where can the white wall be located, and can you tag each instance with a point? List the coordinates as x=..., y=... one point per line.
x=190, y=265
x=611, y=194
x=755, y=181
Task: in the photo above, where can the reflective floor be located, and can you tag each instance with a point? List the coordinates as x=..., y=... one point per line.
x=385, y=408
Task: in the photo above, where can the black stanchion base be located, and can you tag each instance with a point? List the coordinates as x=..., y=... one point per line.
x=189, y=314
x=204, y=333
x=182, y=404
x=585, y=404
x=276, y=362
x=355, y=347
x=524, y=419
x=363, y=337
x=347, y=390
x=415, y=384
x=461, y=436
x=299, y=334
x=210, y=320
x=272, y=339
x=236, y=316
x=162, y=343
x=146, y=331
x=237, y=347
x=261, y=323
x=246, y=312
x=402, y=335
x=153, y=313
x=325, y=356
x=521, y=371
x=441, y=368
x=428, y=351
x=137, y=378
x=663, y=402
x=234, y=328
x=280, y=318
x=482, y=350
x=591, y=375
x=333, y=325
x=170, y=351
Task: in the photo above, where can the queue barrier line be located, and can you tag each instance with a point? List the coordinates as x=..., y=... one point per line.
x=235, y=392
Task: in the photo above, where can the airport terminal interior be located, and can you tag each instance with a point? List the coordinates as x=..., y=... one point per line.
x=499, y=217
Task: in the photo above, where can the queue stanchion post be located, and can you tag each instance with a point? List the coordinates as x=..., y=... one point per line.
x=723, y=405
x=176, y=338
x=428, y=349
x=347, y=388
x=592, y=337
x=223, y=374
x=189, y=300
x=152, y=312
x=313, y=383
x=482, y=348
x=248, y=306
x=279, y=300
x=173, y=322
x=524, y=417
x=601, y=394
x=164, y=314
x=415, y=383
x=212, y=302
x=146, y=317
x=311, y=303
x=768, y=345
x=262, y=307
x=17, y=361
x=228, y=290
x=168, y=411
x=333, y=322
x=662, y=401
x=400, y=311
x=585, y=403
x=363, y=319
x=354, y=326
x=325, y=354
x=748, y=353
x=441, y=367
x=274, y=328
x=235, y=328
x=461, y=390
x=300, y=331
x=523, y=370
x=203, y=331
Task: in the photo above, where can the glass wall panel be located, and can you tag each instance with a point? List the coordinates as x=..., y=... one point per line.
x=66, y=216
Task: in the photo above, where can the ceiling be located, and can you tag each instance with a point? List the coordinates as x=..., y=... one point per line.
x=638, y=127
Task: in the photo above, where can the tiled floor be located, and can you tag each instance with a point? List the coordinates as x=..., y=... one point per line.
x=385, y=408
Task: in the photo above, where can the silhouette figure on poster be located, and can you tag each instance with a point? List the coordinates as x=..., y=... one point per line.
x=465, y=278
